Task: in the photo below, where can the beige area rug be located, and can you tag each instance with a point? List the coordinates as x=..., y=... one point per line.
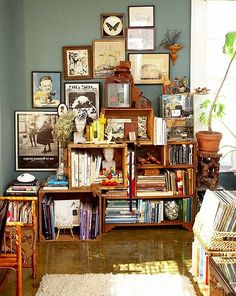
x=115, y=285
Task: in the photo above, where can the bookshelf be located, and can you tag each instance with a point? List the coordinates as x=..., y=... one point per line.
x=162, y=183
x=23, y=209
x=89, y=225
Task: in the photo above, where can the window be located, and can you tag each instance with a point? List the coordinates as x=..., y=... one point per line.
x=211, y=20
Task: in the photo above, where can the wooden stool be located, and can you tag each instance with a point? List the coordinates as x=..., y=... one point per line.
x=208, y=169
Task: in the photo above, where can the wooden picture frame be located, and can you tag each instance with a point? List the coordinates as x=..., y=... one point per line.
x=46, y=89
x=36, y=147
x=83, y=97
x=140, y=39
x=112, y=25
x=107, y=54
x=141, y=16
x=149, y=68
x=77, y=62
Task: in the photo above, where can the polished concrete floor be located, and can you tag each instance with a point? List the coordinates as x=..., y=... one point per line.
x=129, y=250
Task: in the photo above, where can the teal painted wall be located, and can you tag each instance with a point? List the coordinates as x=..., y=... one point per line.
x=39, y=30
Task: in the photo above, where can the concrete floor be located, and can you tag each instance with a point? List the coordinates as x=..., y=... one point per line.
x=123, y=250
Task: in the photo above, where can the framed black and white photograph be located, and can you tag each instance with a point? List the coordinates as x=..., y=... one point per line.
x=140, y=39
x=77, y=62
x=36, y=146
x=62, y=108
x=112, y=25
x=83, y=98
x=46, y=89
x=141, y=16
x=149, y=68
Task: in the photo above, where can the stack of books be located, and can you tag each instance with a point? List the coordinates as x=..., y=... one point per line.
x=23, y=188
x=53, y=183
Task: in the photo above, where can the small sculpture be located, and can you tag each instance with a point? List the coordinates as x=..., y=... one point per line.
x=80, y=123
x=108, y=163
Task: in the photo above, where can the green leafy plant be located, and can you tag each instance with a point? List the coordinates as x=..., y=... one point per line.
x=64, y=128
x=171, y=38
x=214, y=109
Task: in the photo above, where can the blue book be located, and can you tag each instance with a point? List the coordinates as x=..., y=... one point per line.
x=52, y=180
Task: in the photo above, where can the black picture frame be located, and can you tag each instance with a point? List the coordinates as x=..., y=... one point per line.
x=141, y=16
x=112, y=25
x=36, y=147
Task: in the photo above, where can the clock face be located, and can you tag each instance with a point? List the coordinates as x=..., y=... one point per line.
x=112, y=25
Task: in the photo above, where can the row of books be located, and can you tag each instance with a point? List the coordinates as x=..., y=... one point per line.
x=160, y=137
x=180, y=154
x=69, y=214
x=217, y=213
x=144, y=211
x=20, y=211
x=23, y=188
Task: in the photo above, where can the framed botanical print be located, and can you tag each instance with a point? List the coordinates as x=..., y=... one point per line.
x=83, y=98
x=141, y=16
x=107, y=54
x=37, y=149
x=46, y=89
x=140, y=39
x=112, y=25
x=77, y=62
x=149, y=68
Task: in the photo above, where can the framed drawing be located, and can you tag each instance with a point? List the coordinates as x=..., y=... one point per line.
x=36, y=147
x=83, y=98
x=112, y=25
x=77, y=62
x=149, y=68
x=140, y=39
x=46, y=89
x=106, y=56
x=141, y=16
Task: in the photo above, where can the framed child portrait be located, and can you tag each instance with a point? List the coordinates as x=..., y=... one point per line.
x=37, y=148
x=46, y=89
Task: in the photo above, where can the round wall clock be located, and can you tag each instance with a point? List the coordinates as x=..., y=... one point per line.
x=112, y=26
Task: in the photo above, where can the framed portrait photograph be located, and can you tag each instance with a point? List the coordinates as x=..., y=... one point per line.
x=46, y=89
x=141, y=16
x=36, y=146
x=83, y=98
x=149, y=68
x=112, y=25
x=61, y=109
x=107, y=54
x=77, y=62
x=140, y=39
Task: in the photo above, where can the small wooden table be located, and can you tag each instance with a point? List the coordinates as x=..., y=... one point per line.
x=222, y=276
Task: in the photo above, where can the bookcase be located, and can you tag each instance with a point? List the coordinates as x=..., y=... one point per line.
x=161, y=188
x=23, y=209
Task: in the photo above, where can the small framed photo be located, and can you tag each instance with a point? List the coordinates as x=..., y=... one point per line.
x=46, y=89
x=117, y=95
x=141, y=16
x=62, y=108
x=107, y=54
x=83, y=97
x=77, y=62
x=112, y=25
x=149, y=68
x=140, y=39
x=37, y=149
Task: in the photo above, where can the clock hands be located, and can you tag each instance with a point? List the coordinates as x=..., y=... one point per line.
x=110, y=27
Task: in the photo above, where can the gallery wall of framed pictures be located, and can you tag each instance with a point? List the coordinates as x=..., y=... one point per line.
x=123, y=37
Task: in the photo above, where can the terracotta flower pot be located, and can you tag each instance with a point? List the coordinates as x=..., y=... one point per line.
x=208, y=142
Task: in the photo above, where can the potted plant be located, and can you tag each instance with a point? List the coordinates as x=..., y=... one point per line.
x=209, y=141
x=171, y=42
x=64, y=128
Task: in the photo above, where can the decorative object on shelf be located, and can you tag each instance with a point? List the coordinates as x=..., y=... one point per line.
x=117, y=95
x=171, y=210
x=46, y=89
x=171, y=42
x=181, y=85
x=64, y=128
x=149, y=68
x=26, y=177
x=140, y=39
x=141, y=16
x=142, y=127
x=80, y=124
x=37, y=150
x=108, y=163
x=112, y=25
x=106, y=56
x=215, y=109
x=83, y=97
x=166, y=85
x=77, y=62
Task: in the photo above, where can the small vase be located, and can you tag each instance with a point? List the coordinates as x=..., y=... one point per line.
x=174, y=48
